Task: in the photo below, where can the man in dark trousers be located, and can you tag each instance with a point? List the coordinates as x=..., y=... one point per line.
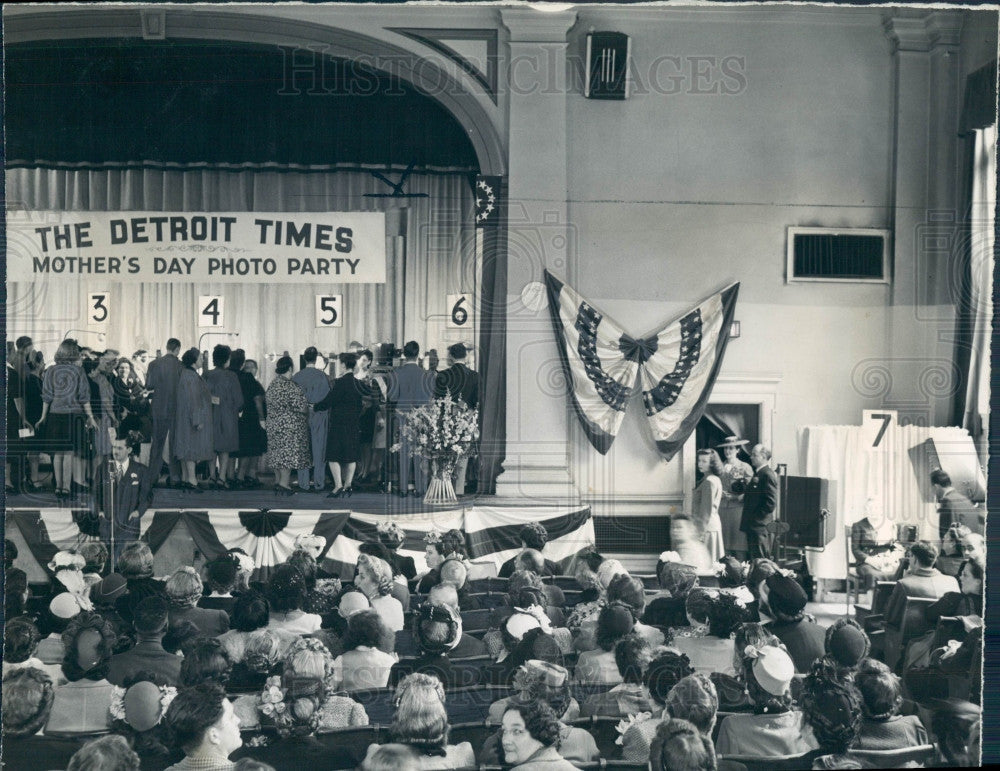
x=463, y=385
x=161, y=380
x=410, y=386
x=760, y=498
x=118, y=494
x=953, y=507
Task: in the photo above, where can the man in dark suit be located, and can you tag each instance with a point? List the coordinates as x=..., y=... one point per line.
x=955, y=508
x=148, y=655
x=118, y=495
x=922, y=580
x=410, y=386
x=161, y=380
x=760, y=498
x=463, y=385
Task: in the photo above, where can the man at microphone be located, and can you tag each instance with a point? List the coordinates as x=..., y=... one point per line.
x=117, y=493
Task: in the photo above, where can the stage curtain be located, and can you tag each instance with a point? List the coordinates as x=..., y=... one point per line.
x=889, y=481
x=979, y=313
x=430, y=245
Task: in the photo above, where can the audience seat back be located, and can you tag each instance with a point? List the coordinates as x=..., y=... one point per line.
x=903, y=757
x=475, y=620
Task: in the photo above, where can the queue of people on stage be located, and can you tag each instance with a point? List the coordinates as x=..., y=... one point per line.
x=197, y=669
x=211, y=424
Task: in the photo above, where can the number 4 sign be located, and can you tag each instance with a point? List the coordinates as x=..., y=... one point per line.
x=211, y=311
x=329, y=310
x=459, y=312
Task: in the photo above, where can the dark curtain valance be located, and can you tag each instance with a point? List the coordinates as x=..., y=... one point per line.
x=979, y=102
x=187, y=101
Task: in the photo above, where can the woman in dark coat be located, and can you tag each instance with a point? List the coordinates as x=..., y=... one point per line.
x=192, y=435
x=343, y=446
x=253, y=437
x=227, y=401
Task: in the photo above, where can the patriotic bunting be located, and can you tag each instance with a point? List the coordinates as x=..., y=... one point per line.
x=492, y=534
x=677, y=365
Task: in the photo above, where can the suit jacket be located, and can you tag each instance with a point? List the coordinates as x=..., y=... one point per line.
x=919, y=582
x=805, y=641
x=461, y=382
x=147, y=656
x=955, y=508
x=210, y=622
x=161, y=378
x=410, y=386
x=119, y=499
x=760, y=497
x=621, y=701
x=507, y=569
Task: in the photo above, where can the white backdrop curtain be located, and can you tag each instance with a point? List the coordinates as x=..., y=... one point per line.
x=894, y=476
x=430, y=254
x=981, y=217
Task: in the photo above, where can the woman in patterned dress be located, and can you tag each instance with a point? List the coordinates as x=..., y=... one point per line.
x=731, y=505
x=705, y=504
x=287, y=425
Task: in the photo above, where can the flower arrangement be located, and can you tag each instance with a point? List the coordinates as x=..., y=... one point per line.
x=441, y=431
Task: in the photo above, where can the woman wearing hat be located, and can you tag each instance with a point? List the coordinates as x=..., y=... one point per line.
x=774, y=729
x=437, y=630
x=82, y=705
x=731, y=505
x=549, y=683
x=287, y=425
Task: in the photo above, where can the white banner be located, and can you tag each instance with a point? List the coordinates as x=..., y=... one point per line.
x=278, y=247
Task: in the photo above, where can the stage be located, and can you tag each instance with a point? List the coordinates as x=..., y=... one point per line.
x=184, y=527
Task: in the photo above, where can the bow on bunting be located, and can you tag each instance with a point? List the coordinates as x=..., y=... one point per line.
x=678, y=365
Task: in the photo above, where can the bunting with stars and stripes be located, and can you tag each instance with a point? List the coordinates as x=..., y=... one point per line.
x=676, y=366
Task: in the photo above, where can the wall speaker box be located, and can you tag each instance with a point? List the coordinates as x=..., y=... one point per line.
x=607, y=65
x=803, y=501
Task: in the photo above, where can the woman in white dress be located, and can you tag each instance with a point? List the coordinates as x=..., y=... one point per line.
x=705, y=505
x=731, y=507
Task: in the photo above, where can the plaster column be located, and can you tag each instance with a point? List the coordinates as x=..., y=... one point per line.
x=539, y=236
x=920, y=369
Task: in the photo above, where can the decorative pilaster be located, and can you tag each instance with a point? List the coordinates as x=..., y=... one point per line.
x=539, y=236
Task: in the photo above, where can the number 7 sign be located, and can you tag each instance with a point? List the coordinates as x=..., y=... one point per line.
x=875, y=424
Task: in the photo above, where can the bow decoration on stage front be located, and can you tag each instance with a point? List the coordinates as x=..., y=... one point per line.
x=678, y=365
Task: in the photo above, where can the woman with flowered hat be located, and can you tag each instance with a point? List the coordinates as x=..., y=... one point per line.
x=731, y=504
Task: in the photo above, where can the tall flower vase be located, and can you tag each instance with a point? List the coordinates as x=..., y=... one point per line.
x=440, y=491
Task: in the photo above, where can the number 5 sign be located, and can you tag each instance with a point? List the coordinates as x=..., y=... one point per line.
x=459, y=311
x=329, y=310
x=211, y=311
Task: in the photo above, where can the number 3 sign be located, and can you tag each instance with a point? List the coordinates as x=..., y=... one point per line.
x=329, y=310
x=459, y=312
x=98, y=309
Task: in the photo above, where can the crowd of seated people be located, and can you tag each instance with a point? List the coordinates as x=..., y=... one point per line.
x=206, y=668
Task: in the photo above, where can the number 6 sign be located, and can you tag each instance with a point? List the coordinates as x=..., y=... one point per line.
x=459, y=312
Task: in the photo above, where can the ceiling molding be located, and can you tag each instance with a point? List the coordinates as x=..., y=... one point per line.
x=438, y=39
